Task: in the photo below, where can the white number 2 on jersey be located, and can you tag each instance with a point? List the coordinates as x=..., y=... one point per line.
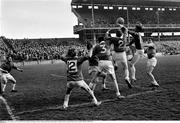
x=120, y=43
x=72, y=65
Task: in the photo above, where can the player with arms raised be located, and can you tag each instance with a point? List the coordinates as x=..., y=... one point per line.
x=75, y=76
x=118, y=47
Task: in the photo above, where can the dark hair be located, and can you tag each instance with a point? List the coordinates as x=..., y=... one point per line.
x=139, y=27
x=89, y=45
x=118, y=33
x=71, y=52
x=100, y=39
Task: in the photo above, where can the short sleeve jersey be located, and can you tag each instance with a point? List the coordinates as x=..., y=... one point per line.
x=119, y=44
x=137, y=40
x=74, y=67
x=8, y=66
x=151, y=52
x=101, y=51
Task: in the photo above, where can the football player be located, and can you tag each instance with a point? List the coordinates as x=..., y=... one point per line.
x=151, y=62
x=6, y=68
x=138, y=42
x=105, y=63
x=93, y=69
x=118, y=47
x=75, y=76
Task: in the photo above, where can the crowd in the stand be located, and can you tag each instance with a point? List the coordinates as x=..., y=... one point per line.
x=30, y=50
x=40, y=49
x=168, y=47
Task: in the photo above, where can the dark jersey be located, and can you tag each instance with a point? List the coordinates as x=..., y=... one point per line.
x=119, y=44
x=93, y=61
x=74, y=67
x=151, y=52
x=8, y=66
x=101, y=51
x=137, y=40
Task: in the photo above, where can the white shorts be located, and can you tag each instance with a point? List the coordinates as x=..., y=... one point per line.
x=119, y=56
x=72, y=84
x=106, y=66
x=152, y=62
x=93, y=69
x=5, y=77
x=140, y=52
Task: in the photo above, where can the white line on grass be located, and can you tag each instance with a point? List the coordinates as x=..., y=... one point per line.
x=88, y=104
x=8, y=108
x=58, y=76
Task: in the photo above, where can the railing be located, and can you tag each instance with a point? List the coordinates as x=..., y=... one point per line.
x=79, y=27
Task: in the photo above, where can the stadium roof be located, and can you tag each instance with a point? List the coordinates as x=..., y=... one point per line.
x=167, y=3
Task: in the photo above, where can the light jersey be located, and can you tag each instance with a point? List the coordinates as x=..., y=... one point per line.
x=137, y=40
x=8, y=66
x=102, y=52
x=119, y=44
x=151, y=52
x=74, y=67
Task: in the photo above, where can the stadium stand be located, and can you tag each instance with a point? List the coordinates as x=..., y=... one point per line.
x=155, y=15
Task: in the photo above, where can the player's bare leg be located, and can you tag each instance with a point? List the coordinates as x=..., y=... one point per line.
x=66, y=98
x=126, y=74
x=103, y=75
x=3, y=83
x=87, y=89
x=151, y=76
x=134, y=60
x=11, y=78
x=118, y=94
x=94, y=79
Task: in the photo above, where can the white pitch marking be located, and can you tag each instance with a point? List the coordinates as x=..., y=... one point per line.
x=59, y=76
x=8, y=108
x=88, y=104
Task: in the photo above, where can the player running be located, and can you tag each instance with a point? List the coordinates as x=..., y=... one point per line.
x=75, y=76
x=137, y=40
x=102, y=51
x=118, y=47
x=6, y=68
x=151, y=62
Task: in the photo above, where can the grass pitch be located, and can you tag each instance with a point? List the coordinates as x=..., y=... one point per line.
x=39, y=90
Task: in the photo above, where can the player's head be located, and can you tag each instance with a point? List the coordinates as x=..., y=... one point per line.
x=71, y=52
x=118, y=33
x=150, y=41
x=100, y=39
x=9, y=58
x=89, y=45
x=139, y=27
x=120, y=21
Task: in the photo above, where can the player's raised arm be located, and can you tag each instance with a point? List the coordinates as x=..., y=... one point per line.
x=107, y=34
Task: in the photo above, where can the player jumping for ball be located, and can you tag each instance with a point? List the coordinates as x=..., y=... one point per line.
x=75, y=76
x=118, y=46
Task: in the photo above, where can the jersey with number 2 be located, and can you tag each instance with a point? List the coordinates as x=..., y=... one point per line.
x=119, y=44
x=74, y=68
